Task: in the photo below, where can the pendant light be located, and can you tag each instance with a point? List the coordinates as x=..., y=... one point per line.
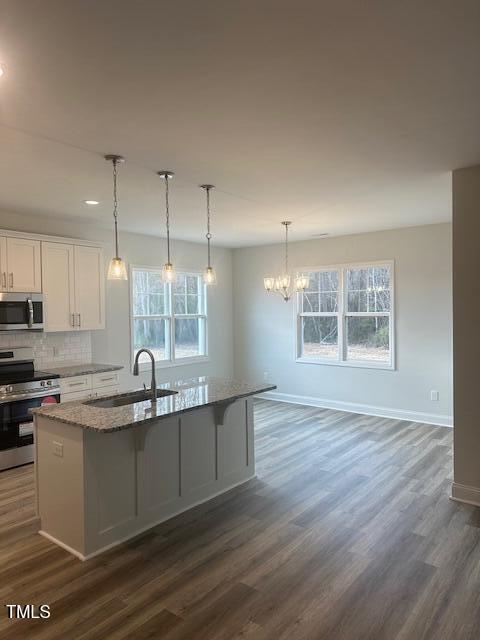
x=168, y=272
x=117, y=269
x=281, y=283
x=209, y=275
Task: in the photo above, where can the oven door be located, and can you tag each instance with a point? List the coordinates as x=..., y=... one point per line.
x=21, y=311
x=16, y=421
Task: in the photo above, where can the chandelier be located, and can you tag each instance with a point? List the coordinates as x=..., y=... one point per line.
x=282, y=283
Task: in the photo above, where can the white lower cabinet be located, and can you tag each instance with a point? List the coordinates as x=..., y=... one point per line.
x=89, y=386
x=75, y=395
x=100, y=392
x=107, y=379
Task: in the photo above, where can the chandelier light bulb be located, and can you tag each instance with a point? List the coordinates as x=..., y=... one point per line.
x=269, y=283
x=302, y=282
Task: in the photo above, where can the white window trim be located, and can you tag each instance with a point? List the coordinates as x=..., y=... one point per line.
x=181, y=362
x=342, y=315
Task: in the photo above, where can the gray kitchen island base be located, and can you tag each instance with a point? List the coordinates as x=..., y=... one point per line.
x=96, y=490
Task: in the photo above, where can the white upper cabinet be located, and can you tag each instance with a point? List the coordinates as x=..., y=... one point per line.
x=89, y=287
x=58, y=286
x=73, y=287
x=20, y=265
x=3, y=263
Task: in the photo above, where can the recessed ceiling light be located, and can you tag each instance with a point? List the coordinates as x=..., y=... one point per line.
x=91, y=202
x=319, y=235
x=2, y=69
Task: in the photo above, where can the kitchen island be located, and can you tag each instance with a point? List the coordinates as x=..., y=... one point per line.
x=106, y=473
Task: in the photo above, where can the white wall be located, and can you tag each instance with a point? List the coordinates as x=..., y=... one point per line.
x=112, y=345
x=264, y=325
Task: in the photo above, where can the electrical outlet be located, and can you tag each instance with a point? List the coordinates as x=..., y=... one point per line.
x=57, y=448
x=434, y=396
x=266, y=375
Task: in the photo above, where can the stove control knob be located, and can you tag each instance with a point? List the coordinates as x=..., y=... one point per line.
x=9, y=389
x=3, y=390
x=49, y=383
x=42, y=383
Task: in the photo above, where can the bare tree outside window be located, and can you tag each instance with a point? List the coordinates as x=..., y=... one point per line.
x=168, y=319
x=345, y=315
x=319, y=314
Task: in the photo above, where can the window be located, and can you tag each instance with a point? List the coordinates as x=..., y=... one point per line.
x=168, y=319
x=345, y=316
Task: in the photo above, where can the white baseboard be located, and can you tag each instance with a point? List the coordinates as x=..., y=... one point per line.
x=370, y=410
x=62, y=544
x=464, y=493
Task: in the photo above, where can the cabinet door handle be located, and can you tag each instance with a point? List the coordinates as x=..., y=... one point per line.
x=107, y=379
x=30, y=312
x=4, y=280
x=79, y=320
x=73, y=319
x=76, y=384
x=11, y=280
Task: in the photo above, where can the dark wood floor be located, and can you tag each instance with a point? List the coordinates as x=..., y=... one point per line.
x=347, y=533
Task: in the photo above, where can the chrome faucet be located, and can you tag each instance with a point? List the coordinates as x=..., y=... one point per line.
x=135, y=371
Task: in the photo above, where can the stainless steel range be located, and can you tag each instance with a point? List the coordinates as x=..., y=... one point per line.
x=22, y=387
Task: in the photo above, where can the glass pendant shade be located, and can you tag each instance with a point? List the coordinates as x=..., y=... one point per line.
x=209, y=276
x=168, y=273
x=269, y=283
x=117, y=270
x=283, y=281
x=302, y=282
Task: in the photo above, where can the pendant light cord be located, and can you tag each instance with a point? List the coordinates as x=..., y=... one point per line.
x=286, y=249
x=167, y=217
x=208, y=235
x=115, y=204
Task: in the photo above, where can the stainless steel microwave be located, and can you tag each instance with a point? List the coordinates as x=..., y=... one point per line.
x=21, y=312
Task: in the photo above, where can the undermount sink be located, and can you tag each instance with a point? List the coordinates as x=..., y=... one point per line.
x=129, y=398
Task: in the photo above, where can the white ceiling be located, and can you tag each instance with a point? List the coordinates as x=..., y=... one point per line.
x=341, y=116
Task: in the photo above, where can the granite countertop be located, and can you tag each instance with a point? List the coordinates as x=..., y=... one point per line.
x=191, y=394
x=82, y=369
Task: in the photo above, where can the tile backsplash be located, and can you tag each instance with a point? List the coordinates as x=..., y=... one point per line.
x=52, y=348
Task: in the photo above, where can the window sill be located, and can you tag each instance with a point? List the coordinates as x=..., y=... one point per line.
x=360, y=364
